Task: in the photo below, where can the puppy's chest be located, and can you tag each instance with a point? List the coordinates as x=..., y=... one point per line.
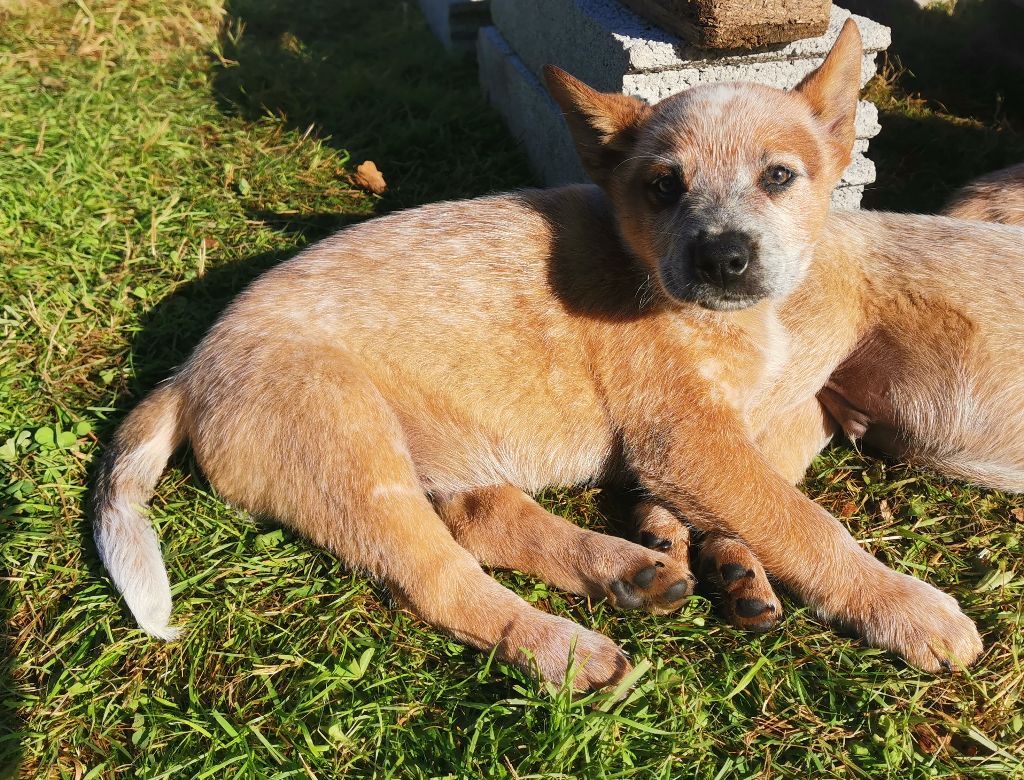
x=740, y=366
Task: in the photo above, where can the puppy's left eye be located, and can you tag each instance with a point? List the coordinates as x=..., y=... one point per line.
x=777, y=177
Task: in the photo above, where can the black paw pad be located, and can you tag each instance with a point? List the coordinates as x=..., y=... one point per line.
x=676, y=591
x=644, y=577
x=625, y=598
x=654, y=542
x=733, y=571
x=749, y=608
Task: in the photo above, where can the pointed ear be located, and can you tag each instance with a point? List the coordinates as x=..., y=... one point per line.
x=603, y=125
x=833, y=89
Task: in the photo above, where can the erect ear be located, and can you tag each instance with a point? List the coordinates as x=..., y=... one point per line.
x=832, y=91
x=603, y=125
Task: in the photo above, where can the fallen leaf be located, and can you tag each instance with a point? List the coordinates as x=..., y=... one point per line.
x=1018, y=514
x=369, y=178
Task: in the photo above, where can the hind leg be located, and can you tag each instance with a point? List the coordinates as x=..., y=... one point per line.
x=505, y=528
x=315, y=444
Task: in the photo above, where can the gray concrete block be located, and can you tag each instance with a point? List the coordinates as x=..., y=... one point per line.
x=536, y=121
x=533, y=118
x=602, y=42
x=867, y=125
x=455, y=22
x=847, y=197
x=784, y=74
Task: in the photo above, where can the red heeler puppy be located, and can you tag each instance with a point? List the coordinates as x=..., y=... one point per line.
x=413, y=378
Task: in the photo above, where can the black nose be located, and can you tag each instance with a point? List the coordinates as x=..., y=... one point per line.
x=723, y=259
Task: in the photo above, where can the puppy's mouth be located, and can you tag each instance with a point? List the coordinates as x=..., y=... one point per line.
x=729, y=302
x=707, y=296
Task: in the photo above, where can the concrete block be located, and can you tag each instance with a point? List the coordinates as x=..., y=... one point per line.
x=455, y=22
x=847, y=197
x=784, y=74
x=602, y=42
x=536, y=121
x=533, y=118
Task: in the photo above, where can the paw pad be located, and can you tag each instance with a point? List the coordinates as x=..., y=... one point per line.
x=654, y=542
x=731, y=572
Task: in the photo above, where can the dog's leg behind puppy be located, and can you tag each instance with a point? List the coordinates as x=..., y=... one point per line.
x=505, y=528
x=314, y=444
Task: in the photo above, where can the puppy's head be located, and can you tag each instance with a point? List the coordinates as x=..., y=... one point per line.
x=721, y=189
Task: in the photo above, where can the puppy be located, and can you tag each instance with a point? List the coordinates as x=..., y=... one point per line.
x=395, y=391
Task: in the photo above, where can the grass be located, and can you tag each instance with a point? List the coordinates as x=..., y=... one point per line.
x=154, y=157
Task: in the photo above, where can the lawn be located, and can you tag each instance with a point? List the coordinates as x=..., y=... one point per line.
x=155, y=157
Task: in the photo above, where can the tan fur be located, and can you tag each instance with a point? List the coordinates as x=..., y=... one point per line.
x=997, y=197
x=390, y=391
x=564, y=555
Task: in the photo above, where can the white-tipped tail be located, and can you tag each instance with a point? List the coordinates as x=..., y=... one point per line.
x=125, y=538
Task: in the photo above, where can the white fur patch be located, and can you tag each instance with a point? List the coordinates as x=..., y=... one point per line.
x=130, y=551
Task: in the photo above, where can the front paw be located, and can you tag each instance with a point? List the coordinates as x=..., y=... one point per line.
x=921, y=623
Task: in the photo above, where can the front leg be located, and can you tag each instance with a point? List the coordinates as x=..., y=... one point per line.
x=701, y=463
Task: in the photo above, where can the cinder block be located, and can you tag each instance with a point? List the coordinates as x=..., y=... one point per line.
x=532, y=116
x=456, y=22
x=603, y=43
x=847, y=197
x=784, y=74
x=536, y=121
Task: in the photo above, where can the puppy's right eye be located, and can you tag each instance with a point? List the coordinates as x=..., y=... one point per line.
x=666, y=188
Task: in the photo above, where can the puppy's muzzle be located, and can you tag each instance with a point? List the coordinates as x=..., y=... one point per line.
x=723, y=260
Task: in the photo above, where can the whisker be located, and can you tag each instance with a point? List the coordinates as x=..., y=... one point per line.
x=655, y=157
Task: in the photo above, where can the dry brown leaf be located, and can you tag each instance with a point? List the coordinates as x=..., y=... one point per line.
x=1018, y=514
x=369, y=178
x=885, y=511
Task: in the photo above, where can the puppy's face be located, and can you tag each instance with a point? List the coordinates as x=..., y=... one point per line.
x=721, y=190
x=724, y=193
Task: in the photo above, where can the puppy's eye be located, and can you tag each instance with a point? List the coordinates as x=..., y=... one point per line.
x=666, y=188
x=777, y=177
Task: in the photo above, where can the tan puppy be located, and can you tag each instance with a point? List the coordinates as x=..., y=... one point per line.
x=392, y=391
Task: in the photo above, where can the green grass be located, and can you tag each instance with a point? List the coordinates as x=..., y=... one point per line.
x=154, y=157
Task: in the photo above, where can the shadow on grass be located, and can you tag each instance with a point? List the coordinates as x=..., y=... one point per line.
x=372, y=77
x=970, y=65
x=11, y=724
x=922, y=157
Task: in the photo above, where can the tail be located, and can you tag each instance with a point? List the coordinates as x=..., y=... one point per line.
x=124, y=536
